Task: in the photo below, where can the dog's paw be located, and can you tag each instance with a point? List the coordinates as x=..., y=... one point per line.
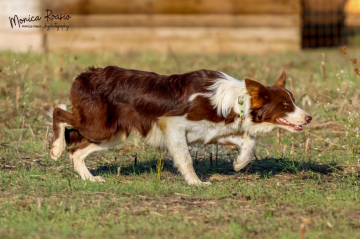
x=205, y=184
x=97, y=179
x=239, y=166
x=55, y=153
x=199, y=183
x=58, y=147
x=53, y=156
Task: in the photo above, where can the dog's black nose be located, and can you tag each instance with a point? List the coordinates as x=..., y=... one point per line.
x=308, y=118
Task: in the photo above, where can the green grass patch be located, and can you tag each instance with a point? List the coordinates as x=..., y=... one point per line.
x=305, y=183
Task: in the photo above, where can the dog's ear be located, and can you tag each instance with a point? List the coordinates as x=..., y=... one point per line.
x=255, y=88
x=281, y=81
x=258, y=92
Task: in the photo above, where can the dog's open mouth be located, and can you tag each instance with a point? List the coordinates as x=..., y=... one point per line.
x=286, y=123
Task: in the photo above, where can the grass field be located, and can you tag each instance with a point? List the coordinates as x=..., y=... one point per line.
x=302, y=185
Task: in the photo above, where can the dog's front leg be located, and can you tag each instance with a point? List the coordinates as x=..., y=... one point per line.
x=177, y=145
x=246, y=144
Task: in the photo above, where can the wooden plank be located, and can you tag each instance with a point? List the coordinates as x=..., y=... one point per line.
x=184, y=40
x=174, y=6
x=181, y=20
x=147, y=33
x=324, y=5
x=5, y=24
x=21, y=41
x=208, y=46
x=353, y=20
x=21, y=7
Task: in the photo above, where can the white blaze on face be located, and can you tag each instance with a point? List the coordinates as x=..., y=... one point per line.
x=298, y=117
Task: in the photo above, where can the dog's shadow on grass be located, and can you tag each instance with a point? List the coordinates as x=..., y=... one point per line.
x=265, y=168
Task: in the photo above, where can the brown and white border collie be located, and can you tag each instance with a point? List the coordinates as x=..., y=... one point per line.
x=170, y=111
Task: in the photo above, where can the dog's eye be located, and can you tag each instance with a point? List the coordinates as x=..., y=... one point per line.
x=285, y=103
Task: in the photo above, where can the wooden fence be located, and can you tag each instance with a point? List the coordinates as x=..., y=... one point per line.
x=183, y=26
x=196, y=26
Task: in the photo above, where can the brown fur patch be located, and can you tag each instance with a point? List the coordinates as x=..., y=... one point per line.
x=111, y=99
x=72, y=136
x=162, y=124
x=202, y=109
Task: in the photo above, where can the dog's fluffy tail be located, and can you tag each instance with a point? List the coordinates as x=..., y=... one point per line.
x=72, y=136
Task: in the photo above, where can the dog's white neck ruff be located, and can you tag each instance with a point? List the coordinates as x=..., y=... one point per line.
x=225, y=96
x=226, y=93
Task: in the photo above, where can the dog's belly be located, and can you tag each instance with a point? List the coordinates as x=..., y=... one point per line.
x=204, y=132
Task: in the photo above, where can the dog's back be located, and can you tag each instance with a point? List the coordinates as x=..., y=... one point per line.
x=111, y=99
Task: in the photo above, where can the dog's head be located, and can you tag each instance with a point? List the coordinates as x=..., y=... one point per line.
x=276, y=105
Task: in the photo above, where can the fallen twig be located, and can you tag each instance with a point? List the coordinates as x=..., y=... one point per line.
x=32, y=132
x=118, y=173
x=22, y=127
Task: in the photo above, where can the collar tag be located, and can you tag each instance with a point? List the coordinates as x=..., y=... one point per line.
x=241, y=109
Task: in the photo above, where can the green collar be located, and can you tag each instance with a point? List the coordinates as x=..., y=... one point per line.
x=242, y=109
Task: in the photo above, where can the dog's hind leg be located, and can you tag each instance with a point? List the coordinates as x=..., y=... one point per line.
x=85, y=148
x=61, y=119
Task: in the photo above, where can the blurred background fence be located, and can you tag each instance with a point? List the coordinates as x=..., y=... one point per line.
x=196, y=26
